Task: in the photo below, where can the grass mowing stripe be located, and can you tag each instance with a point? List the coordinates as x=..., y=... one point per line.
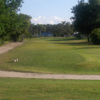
x=33, y=89
x=54, y=55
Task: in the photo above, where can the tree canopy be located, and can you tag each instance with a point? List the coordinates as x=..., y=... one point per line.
x=12, y=24
x=86, y=16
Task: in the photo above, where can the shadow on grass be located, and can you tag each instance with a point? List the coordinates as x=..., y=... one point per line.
x=89, y=48
x=71, y=42
x=76, y=43
x=64, y=39
x=83, y=45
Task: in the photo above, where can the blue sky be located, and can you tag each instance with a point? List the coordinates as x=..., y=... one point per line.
x=48, y=11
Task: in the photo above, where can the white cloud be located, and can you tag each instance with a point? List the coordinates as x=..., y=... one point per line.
x=47, y=20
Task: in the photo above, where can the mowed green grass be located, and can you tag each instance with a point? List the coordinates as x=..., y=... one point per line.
x=33, y=89
x=54, y=55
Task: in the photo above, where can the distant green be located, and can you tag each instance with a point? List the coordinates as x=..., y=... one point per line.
x=54, y=55
x=33, y=89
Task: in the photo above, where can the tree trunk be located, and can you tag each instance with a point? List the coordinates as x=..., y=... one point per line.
x=22, y=37
x=2, y=40
x=88, y=38
x=15, y=38
x=40, y=34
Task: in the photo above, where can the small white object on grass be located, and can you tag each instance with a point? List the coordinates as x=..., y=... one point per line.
x=15, y=60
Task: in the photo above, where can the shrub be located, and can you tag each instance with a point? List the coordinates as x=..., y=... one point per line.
x=95, y=36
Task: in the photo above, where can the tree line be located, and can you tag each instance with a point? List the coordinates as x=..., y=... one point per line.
x=13, y=26
x=58, y=30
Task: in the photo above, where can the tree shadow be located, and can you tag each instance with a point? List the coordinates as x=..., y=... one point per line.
x=76, y=43
x=64, y=39
x=71, y=42
x=83, y=45
x=89, y=48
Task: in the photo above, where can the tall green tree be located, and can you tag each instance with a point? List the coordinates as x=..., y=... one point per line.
x=41, y=28
x=86, y=17
x=12, y=24
x=8, y=12
x=4, y=19
x=19, y=26
x=62, y=29
x=25, y=22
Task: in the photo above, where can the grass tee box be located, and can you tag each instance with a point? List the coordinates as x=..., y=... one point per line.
x=30, y=89
x=54, y=55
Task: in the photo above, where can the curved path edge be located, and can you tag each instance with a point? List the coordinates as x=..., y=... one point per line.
x=11, y=74
x=5, y=48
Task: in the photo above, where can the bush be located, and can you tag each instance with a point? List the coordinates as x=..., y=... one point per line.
x=95, y=36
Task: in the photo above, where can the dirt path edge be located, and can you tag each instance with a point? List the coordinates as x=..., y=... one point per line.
x=9, y=46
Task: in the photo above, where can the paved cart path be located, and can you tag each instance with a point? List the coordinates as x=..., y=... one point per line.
x=11, y=74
